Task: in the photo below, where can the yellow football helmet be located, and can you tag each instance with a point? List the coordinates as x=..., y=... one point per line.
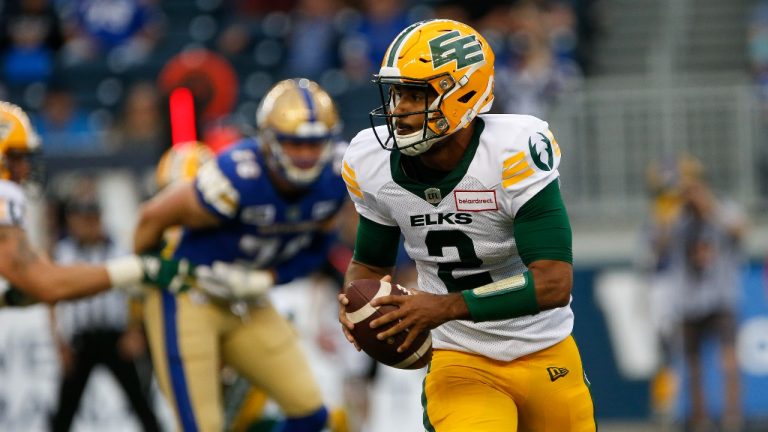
x=297, y=111
x=181, y=162
x=16, y=136
x=443, y=55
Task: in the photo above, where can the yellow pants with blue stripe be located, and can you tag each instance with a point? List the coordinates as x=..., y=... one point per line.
x=191, y=339
x=545, y=391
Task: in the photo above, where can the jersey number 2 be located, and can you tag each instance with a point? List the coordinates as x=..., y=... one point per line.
x=437, y=240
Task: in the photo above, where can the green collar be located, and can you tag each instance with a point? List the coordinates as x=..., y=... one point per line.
x=428, y=192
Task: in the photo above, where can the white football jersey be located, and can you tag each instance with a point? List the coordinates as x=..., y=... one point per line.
x=13, y=204
x=460, y=231
x=13, y=208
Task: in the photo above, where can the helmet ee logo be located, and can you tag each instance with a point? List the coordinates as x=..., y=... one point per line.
x=452, y=46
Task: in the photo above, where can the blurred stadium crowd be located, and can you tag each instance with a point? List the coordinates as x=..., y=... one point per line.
x=89, y=68
x=95, y=76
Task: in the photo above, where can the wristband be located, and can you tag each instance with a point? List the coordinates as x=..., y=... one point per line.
x=127, y=270
x=508, y=298
x=14, y=297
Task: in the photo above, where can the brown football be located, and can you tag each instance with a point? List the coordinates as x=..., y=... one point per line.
x=361, y=313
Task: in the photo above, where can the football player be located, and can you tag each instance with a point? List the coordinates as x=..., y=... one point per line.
x=30, y=273
x=477, y=199
x=267, y=204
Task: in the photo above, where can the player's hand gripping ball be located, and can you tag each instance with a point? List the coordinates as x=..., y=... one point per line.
x=359, y=310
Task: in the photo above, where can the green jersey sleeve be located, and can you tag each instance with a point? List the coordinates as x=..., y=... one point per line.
x=542, y=229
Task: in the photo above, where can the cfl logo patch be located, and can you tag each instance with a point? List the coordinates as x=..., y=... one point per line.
x=556, y=372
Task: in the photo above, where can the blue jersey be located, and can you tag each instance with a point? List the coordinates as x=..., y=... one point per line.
x=261, y=228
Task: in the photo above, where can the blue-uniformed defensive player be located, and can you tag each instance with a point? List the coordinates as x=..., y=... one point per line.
x=268, y=203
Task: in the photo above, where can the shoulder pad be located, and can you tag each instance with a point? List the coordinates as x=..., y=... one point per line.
x=366, y=165
x=527, y=147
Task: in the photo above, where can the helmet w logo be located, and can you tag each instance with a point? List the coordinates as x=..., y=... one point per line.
x=452, y=46
x=556, y=372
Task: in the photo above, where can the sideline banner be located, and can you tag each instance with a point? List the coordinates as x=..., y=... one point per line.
x=620, y=350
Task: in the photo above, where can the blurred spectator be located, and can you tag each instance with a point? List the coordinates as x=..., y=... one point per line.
x=65, y=128
x=237, y=36
x=139, y=125
x=365, y=43
x=539, y=68
x=654, y=264
x=125, y=30
x=758, y=57
x=259, y=7
x=313, y=40
x=469, y=12
x=588, y=28
x=758, y=46
x=703, y=245
x=96, y=330
x=30, y=36
x=240, y=27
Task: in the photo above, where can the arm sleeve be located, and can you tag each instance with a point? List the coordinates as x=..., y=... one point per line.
x=376, y=244
x=542, y=229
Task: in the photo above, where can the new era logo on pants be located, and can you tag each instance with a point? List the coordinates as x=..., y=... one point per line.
x=556, y=372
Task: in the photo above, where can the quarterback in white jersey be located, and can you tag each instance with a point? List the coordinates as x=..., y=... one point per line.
x=477, y=200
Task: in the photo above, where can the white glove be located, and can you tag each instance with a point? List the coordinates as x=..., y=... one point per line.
x=233, y=281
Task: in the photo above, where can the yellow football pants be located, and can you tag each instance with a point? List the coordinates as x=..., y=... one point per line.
x=191, y=339
x=542, y=392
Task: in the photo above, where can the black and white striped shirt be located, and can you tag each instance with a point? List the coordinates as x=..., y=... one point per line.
x=106, y=311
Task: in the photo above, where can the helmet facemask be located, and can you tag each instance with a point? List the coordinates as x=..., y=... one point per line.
x=435, y=125
x=440, y=55
x=302, y=171
x=297, y=123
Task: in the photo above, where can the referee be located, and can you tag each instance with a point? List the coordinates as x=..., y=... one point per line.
x=95, y=330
